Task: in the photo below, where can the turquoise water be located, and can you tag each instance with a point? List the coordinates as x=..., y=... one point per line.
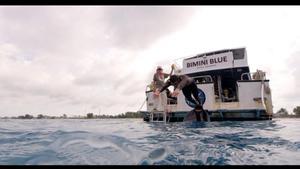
x=132, y=141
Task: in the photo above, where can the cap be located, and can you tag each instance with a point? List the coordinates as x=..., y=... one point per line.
x=159, y=68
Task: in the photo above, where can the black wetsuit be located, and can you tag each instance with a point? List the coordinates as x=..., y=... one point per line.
x=188, y=87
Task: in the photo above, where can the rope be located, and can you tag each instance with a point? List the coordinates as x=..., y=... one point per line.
x=142, y=105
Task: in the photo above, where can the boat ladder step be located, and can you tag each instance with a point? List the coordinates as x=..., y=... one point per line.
x=158, y=116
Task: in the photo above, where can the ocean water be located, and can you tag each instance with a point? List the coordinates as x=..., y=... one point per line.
x=135, y=142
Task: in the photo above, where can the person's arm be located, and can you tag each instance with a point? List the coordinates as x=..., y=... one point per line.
x=172, y=70
x=167, y=75
x=175, y=93
x=167, y=84
x=155, y=79
x=184, y=81
x=172, y=66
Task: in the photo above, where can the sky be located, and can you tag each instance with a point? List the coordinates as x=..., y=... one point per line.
x=73, y=60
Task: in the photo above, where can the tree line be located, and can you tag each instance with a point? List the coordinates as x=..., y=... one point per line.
x=123, y=115
x=282, y=112
x=88, y=116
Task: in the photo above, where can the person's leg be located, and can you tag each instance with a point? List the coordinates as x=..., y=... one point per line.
x=199, y=107
x=195, y=93
x=187, y=92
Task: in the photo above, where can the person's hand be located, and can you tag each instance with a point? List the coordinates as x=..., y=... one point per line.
x=156, y=93
x=175, y=93
x=173, y=66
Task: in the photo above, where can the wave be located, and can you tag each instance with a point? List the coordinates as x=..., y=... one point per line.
x=121, y=142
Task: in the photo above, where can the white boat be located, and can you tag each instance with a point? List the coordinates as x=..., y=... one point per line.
x=230, y=90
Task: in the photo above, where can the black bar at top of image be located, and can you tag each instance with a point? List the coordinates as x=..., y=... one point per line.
x=146, y=2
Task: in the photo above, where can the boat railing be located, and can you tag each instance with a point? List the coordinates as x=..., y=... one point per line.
x=258, y=75
x=149, y=88
x=203, y=79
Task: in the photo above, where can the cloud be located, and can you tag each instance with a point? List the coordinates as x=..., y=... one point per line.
x=60, y=59
x=136, y=28
x=68, y=59
x=59, y=28
x=293, y=94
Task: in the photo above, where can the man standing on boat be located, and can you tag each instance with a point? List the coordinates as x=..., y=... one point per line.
x=188, y=87
x=159, y=81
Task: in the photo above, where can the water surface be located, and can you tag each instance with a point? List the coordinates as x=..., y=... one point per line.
x=132, y=141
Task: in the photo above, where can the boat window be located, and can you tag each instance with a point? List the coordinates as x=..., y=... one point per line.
x=223, y=79
x=226, y=89
x=238, y=54
x=203, y=79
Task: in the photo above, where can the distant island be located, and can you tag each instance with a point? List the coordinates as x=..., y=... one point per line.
x=88, y=116
x=281, y=113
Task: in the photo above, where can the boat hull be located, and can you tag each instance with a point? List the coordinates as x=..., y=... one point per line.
x=216, y=115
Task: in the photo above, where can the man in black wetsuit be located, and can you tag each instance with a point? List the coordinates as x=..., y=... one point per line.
x=188, y=87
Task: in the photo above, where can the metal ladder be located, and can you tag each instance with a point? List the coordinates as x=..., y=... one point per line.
x=158, y=115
